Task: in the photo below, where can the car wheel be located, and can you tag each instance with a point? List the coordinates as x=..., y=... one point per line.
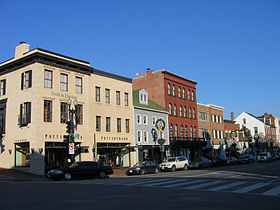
x=67, y=176
x=142, y=172
x=185, y=167
x=102, y=175
x=156, y=171
x=173, y=168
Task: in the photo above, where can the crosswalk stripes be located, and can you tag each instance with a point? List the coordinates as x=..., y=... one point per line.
x=147, y=182
x=203, y=185
x=273, y=192
x=251, y=188
x=183, y=184
x=227, y=186
x=167, y=182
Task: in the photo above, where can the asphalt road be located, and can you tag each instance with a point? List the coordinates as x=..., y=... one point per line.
x=255, y=186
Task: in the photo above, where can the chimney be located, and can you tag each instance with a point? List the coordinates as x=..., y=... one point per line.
x=232, y=116
x=21, y=49
x=149, y=72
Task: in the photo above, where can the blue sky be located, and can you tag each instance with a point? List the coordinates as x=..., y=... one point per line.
x=230, y=47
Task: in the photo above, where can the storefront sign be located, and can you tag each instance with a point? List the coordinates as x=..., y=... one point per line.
x=64, y=95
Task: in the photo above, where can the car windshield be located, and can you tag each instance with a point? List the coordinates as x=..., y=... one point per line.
x=140, y=164
x=171, y=160
x=74, y=165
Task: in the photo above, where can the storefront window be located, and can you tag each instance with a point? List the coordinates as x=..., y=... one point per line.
x=22, y=154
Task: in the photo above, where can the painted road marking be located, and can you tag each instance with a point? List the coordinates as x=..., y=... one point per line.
x=250, y=188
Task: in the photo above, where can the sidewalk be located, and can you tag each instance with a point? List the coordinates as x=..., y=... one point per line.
x=14, y=175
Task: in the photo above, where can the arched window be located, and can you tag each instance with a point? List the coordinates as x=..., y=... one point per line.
x=191, y=131
x=182, y=131
x=195, y=132
x=176, y=130
x=174, y=91
x=184, y=94
x=179, y=92
x=189, y=95
x=192, y=95
x=180, y=110
x=170, y=109
x=190, y=113
x=194, y=114
x=171, y=130
x=175, y=110
x=186, y=131
x=185, y=111
x=169, y=89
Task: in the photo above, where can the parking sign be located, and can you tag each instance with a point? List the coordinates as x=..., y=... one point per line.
x=71, y=149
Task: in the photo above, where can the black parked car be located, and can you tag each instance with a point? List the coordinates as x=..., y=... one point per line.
x=142, y=168
x=83, y=169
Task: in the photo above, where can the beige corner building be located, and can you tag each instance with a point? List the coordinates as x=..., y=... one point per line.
x=37, y=89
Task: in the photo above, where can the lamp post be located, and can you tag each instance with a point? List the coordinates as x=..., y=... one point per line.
x=70, y=129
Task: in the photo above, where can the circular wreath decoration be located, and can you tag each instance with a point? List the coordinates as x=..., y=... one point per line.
x=233, y=134
x=158, y=122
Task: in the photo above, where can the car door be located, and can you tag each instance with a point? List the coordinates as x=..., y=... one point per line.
x=148, y=167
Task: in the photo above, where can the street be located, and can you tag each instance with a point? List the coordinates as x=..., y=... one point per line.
x=254, y=186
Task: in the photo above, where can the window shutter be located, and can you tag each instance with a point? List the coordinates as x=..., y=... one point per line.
x=4, y=87
x=22, y=81
x=30, y=78
x=28, y=108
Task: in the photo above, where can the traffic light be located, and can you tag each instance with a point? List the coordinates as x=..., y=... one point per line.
x=66, y=139
x=69, y=127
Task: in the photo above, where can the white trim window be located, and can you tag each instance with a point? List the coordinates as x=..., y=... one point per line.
x=138, y=119
x=154, y=120
x=145, y=120
x=145, y=136
x=139, y=136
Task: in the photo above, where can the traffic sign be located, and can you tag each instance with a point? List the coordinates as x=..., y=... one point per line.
x=71, y=149
x=77, y=136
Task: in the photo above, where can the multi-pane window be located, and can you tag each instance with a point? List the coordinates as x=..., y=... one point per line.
x=189, y=95
x=138, y=118
x=108, y=124
x=118, y=97
x=64, y=82
x=139, y=136
x=192, y=95
x=191, y=131
x=194, y=117
x=169, y=89
x=25, y=113
x=47, y=111
x=145, y=136
x=79, y=114
x=171, y=130
x=63, y=112
x=48, y=78
x=97, y=94
x=119, y=124
x=174, y=91
x=180, y=111
x=195, y=132
x=154, y=120
x=186, y=131
x=98, y=123
x=203, y=116
x=185, y=111
x=26, y=79
x=184, y=94
x=176, y=130
x=145, y=120
x=182, y=130
x=126, y=99
x=127, y=125
x=179, y=92
x=175, y=110
x=107, y=96
x=190, y=113
x=170, y=109
x=3, y=87
x=79, y=85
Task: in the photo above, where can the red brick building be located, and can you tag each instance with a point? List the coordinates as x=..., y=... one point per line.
x=176, y=94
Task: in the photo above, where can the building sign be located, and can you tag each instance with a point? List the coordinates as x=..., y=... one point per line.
x=114, y=138
x=63, y=95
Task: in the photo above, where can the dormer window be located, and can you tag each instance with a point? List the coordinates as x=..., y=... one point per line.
x=143, y=99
